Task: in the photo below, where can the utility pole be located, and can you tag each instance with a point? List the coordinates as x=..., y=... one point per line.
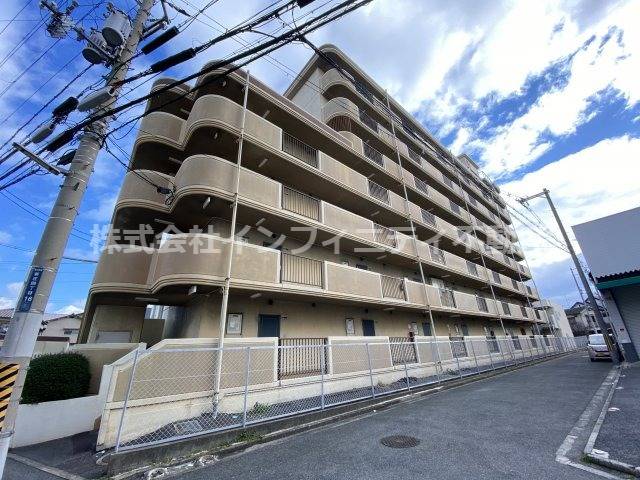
x=583, y=277
x=27, y=318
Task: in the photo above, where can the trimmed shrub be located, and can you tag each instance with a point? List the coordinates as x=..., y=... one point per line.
x=56, y=376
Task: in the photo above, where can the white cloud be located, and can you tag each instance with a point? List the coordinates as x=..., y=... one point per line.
x=5, y=237
x=594, y=182
x=76, y=307
x=6, y=302
x=14, y=288
x=104, y=210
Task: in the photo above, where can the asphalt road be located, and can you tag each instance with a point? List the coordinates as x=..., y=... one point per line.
x=507, y=427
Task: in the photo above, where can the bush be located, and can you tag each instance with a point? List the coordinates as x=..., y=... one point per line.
x=56, y=376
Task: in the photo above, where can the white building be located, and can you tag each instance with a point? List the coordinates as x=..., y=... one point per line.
x=611, y=247
x=558, y=322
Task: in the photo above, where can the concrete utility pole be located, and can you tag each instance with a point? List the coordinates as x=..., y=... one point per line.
x=583, y=278
x=28, y=315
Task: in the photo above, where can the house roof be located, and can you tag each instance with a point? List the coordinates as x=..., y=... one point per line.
x=7, y=313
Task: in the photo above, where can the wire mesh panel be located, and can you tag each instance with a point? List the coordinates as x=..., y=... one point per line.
x=299, y=149
x=414, y=156
x=403, y=350
x=300, y=203
x=428, y=217
x=301, y=356
x=301, y=270
x=172, y=393
x=437, y=255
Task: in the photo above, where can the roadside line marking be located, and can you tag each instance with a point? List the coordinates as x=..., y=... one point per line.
x=582, y=425
x=45, y=468
x=596, y=429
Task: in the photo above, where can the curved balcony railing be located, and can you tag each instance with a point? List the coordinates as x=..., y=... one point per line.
x=214, y=110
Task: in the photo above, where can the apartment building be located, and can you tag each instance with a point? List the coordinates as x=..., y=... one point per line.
x=350, y=220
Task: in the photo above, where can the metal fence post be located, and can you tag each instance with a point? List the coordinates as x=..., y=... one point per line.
x=491, y=356
x=473, y=350
x=126, y=398
x=457, y=360
x=373, y=391
x=246, y=386
x=323, y=365
x=406, y=375
x=434, y=341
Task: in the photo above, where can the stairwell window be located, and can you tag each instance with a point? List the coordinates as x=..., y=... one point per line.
x=437, y=255
x=472, y=268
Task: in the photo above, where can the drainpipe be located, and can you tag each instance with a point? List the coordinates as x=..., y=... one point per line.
x=227, y=281
x=413, y=231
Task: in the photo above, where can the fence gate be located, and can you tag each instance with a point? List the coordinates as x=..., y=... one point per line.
x=301, y=357
x=403, y=350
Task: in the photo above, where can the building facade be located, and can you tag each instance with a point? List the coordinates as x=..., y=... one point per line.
x=348, y=219
x=558, y=323
x=611, y=247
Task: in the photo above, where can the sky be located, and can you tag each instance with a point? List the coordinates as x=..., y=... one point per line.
x=541, y=94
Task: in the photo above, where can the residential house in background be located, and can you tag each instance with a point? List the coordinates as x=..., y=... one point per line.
x=334, y=175
x=582, y=318
x=611, y=247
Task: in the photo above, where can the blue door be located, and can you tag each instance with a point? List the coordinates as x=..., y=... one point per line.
x=269, y=326
x=368, y=328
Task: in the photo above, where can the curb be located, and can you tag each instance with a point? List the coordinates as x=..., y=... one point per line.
x=134, y=462
x=598, y=458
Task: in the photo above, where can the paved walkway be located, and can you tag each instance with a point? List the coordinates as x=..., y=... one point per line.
x=507, y=427
x=619, y=434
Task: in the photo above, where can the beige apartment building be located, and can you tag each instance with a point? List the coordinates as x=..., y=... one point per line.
x=351, y=220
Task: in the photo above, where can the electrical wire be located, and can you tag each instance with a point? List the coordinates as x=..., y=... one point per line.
x=13, y=19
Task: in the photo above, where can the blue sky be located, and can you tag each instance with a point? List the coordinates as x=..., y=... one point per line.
x=541, y=94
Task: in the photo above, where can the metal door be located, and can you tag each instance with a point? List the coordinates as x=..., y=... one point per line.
x=269, y=326
x=368, y=328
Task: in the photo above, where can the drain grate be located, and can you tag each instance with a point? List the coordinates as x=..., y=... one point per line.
x=399, y=441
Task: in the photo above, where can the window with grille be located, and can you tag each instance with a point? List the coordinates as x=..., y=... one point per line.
x=514, y=283
x=378, y=192
x=529, y=290
x=505, y=308
x=537, y=314
x=455, y=208
x=437, y=255
x=428, y=217
x=472, y=268
x=368, y=120
x=482, y=304
x=299, y=149
x=523, y=311
x=496, y=278
x=373, y=154
x=300, y=203
x=384, y=235
x=421, y=185
x=447, y=298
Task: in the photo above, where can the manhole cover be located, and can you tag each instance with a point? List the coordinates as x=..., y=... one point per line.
x=400, y=441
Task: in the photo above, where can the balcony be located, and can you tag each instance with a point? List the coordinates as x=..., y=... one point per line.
x=263, y=137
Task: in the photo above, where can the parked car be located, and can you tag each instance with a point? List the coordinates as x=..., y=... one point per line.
x=598, y=347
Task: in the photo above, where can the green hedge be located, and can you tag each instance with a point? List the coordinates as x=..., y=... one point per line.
x=56, y=376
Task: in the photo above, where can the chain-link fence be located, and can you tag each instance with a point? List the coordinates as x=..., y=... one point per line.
x=167, y=394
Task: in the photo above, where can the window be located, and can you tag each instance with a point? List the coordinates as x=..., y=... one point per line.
x=496, y=278
x=437, y=255
x=426, y=329
x=482, y=304
x=428, y=217
x=514, y=283
x=505, y=308
x=472, y=268
x=362, y=266
x=455, y=208
x=465, y=330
